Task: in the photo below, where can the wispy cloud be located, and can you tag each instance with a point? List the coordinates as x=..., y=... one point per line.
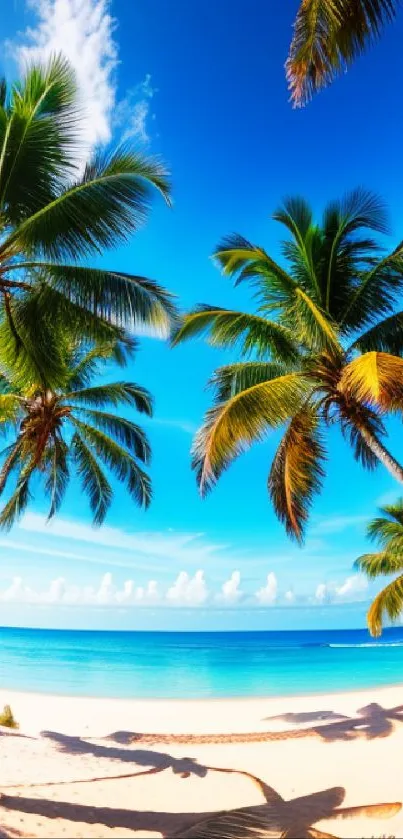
x=352, y=590
x=132, y=113
x=337, y=524
x=183, y=547
x=84, y=32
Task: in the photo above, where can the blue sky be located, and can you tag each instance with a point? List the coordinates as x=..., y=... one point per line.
x=203, y=86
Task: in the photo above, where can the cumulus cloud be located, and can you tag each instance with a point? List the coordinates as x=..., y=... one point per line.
x=267, y=595
x=230, y=590
x=187, y=590
x=83, y=31
x=353, y=589
x=289, y=597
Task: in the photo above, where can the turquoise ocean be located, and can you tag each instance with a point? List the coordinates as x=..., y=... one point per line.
x=197, y=665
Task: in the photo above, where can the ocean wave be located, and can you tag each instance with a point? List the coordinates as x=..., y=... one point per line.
x=368, y=644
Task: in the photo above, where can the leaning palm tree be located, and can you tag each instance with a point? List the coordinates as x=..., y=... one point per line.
x=62, y=430
x=387, y=531
x=328, y=36
x=323, y=348
x=54, y=216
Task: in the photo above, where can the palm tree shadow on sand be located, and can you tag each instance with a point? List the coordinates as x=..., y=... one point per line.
x=371, y=722
x=276, y=818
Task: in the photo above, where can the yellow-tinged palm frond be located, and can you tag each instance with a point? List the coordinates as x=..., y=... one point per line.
x=297, y=472
x=10, y=405
x=388, y=603
x=377, y=378
x=328, y=36
x=231, y=427
x=384, y=562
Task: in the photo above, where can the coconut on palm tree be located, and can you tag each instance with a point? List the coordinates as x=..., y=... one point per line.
x=54, y=216
x=387, y=532
x=323, y=348
x=73, y=429
x=328, y=36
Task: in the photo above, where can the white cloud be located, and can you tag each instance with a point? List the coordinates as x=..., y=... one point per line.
x=133, y=111
x=289, y=597
x=230, y=590
x=353, y=589
x=188, y=591
x=183, y=547
x=267, y=595
x=337, y=524
x=83, y=31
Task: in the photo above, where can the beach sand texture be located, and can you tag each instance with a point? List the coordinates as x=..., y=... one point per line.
x=303, y=766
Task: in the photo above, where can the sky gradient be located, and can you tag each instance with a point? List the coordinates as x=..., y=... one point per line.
x=203, y=86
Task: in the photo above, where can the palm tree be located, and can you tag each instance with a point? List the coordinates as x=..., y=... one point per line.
x=328, y=36
x=323, y=348
x=387, y=531
x=54, y=216
x=59, y=430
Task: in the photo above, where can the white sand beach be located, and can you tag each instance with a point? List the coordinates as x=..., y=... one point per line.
x=108, y=767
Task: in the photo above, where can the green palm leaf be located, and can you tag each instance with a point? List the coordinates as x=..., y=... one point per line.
x=38, y=133
x=116, y=393
x=231, y=427
x=94, y=482
x=374, y=565
x=110, y=201
x=297, y=472
x=125, y=432
x=227, y=328
x=119, y=461
x=57, y=474
x=231, y=379
x=18, y=502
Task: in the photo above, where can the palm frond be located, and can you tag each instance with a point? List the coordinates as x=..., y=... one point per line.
x=388, y=534
x=231, y=379
x=18, y=502
x=241, y=260
x=125, y=432
x=388, y=603
x=38, y=138
x=375, y=293
x=119, y=298
x=231, y=427
x=227, y=328
x=297, y=472
x=386, y=336
x=116, y=393
x=12, y=459
x=94, y=482
x=119, y=461
x=57, y=477
x=375, y=377
x=383, y=563
x=328, y=36
x=110, y=201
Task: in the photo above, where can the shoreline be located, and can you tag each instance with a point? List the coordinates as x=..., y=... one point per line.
x=150, y=718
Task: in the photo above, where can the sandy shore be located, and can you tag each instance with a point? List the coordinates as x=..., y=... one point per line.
x=107, y=767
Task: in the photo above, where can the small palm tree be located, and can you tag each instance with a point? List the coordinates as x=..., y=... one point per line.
x=54, y=216
x=329, y=355
x=328, y=36
x=387, y=531
x=66, y=429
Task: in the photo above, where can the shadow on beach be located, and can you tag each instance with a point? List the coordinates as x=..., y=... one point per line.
x=294, y=818
x=372, y=721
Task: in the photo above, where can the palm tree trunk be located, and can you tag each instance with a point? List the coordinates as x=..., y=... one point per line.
x=383, y=455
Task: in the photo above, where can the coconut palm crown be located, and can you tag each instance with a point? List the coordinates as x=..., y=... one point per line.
x=328, y=36
x=387, y=531
x=55, y=432
x=55, y=214
x=324, y=347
